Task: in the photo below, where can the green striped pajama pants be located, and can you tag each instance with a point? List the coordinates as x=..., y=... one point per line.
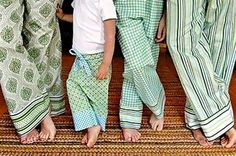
x=141, y=83
x=202, y=43
x=30, y=61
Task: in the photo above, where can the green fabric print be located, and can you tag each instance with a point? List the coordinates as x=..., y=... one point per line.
x=25, y=93
x=59, y=46
x=15, y=65
x=35, y=25
x=24, y=64
x=48, y=79
x=55, y=89
x=11, y=85
x=11, y=104
x=3, y=54
x=52, y=24
x=5, y=3
x=45, y=10
x=7, y=34
x=55, y=62
x=15, y=17
x=48, y=52
x=41, y=67
x=19, y=48
x=29, y=75
x=44, y=39
x=40, y=84
x=34, y=53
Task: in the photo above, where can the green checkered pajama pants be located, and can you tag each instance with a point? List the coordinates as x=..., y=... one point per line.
x=88, y=97
x=137, y=24
x=30, y=61
x=202, y=43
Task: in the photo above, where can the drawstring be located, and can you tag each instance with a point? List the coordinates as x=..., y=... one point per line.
x=80, y=62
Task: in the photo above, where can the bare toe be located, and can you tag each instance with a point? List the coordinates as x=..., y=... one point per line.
x=30, y=138
x=23, y=139
x=231, y=138
x=200, y=138
x=85, y=139
x=223, y=141
x=93, y=133
x=156, y=123
x=131, y=135
x=48, y=129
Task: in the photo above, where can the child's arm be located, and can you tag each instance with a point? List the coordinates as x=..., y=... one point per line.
x=161, y=32
x=64, y=17
x=109, y=35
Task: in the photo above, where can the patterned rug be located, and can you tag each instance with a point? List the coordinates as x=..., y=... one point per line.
x=174, y=140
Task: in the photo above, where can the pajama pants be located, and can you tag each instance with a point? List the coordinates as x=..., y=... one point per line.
x=30, y=61
x=141, y=83
x=88, y=97
x=202, y=43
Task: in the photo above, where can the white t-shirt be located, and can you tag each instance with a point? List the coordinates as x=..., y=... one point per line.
x=88, y=26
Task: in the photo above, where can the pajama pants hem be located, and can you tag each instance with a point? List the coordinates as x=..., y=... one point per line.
x=31, y=116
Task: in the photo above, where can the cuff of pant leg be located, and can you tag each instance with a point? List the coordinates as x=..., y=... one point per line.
x=32, y=115
x=87, y=119
x=130, y=125
x=57, y=107
x=101, y=121
x=57, y=104
x=127, y=121
x=218, y=124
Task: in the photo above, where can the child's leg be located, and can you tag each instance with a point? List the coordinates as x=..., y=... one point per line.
x=140, y=71
x=131, y=109
x=154, y=12
x=82, y=112
x=88, y=99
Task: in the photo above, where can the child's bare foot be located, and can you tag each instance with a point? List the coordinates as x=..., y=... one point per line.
x=93, y=133
x=201, y=139
x=157, y=124
x=229, y=139
x=131, y=135
x=30, y=138
x=48, y=129
x=85, y=139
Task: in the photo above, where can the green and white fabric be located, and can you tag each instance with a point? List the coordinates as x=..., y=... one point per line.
x=88, y=97
x=30, y=61
x=202, y=43
x=137, y=23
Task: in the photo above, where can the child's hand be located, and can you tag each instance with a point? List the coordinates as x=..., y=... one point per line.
x=161, y=33
x=102, y=72
x=60, y=14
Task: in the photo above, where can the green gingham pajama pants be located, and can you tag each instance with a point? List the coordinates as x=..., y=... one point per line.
x=88, y=97
x=137, y=24
x=202, y=43
x=30, y=61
